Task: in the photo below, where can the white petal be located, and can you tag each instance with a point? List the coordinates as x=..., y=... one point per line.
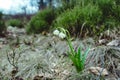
x=56, y=32
x=62, y=35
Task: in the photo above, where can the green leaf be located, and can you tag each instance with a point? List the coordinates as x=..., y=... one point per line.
x=85, y=55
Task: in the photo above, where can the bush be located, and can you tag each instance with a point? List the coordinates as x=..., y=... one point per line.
x=116, y=10
x=37, y=26
x=75, y=18
x=15, y=23
x=2, y=25
x=90, y=17
x=111, y=12
x=41, y=21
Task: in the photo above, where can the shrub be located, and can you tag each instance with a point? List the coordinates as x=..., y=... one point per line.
x=116, y=11
x=15, y=23
x=75, y=18
x=2, y=25
x=41, y=21
x=106, y=6
x=111, y=12
x=68, y=4
x=89, y=16
x=36, y=26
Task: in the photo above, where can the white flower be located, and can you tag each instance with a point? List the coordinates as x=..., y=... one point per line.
x=62, y=35
x=56, y=32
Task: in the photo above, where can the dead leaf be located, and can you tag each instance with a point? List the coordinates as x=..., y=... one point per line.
x=98, y=71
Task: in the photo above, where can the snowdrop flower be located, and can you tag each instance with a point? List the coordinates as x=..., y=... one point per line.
x=56, y=32
x=62, y=35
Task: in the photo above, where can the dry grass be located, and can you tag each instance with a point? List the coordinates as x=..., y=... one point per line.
x=46, y=57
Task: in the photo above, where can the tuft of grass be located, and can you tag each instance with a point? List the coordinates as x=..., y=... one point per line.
x=78, y=58
x=15, y=23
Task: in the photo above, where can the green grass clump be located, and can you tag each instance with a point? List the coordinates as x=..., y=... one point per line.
x=15, y=23
x=78, y=58
x=41, y=21
x=89, y=17
x=73, y=19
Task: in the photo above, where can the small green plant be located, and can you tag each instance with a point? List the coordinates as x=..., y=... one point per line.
x=77, y=57
x=15, y=23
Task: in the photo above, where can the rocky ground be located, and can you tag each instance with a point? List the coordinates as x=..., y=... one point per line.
x=44, y=57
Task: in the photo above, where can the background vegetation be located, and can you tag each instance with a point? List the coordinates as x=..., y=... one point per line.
x=90, y=17
x=2, y=25
x=41, y=21
x=81, y=18
x=15, y=23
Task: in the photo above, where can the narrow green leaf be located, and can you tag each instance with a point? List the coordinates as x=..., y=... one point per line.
x=85, y=55
x=79, y=52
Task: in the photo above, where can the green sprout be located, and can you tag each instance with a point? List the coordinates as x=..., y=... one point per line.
x=77, y=57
